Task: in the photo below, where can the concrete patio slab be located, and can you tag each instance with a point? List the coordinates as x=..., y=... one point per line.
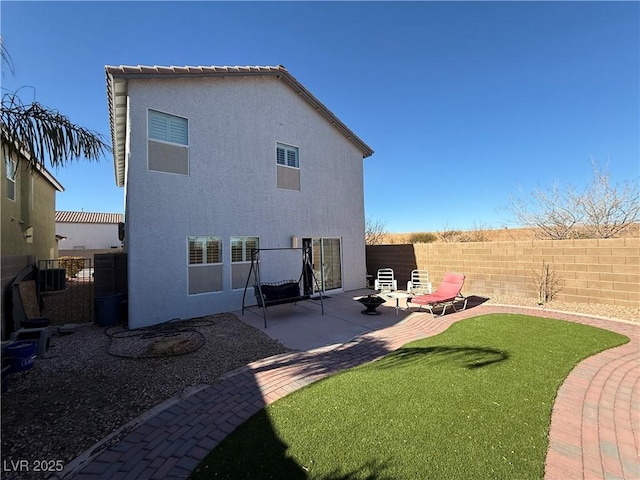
x=301, y=326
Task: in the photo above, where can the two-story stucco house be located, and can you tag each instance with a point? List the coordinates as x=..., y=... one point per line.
x=28, y=225
x=215, y=161
x=28, y=208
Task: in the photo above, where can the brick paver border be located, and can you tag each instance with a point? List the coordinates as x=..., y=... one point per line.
x=595, y=424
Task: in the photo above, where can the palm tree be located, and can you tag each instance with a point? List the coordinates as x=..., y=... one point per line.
x=43, y=133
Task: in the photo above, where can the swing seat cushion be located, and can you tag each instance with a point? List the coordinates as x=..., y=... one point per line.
x=281, y=292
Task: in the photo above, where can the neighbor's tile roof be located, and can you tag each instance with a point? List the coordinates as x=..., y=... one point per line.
x=88, y=217
x=117, y=77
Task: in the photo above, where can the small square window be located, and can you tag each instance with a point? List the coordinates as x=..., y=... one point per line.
x=287, y=155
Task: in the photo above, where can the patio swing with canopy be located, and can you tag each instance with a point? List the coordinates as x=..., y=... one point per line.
x=285, y=291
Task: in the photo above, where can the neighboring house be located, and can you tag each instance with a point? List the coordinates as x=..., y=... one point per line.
x=28, y=209
x=217, y=160
x=87, y=233
x=28, y=223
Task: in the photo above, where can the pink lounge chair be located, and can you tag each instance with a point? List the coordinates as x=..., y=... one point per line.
x=447, y=293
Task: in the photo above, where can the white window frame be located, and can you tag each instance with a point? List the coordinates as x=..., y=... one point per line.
x=168, y=116
x=286, y=150
x=204, y=239
x=169, y=133
x=11, y=167
x=246, y=253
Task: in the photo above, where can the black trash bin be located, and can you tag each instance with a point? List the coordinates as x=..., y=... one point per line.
x=108, y=309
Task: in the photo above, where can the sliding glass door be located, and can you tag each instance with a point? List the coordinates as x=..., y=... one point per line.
x=327, y=263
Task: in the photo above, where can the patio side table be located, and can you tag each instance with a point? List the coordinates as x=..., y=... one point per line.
x=398, y=294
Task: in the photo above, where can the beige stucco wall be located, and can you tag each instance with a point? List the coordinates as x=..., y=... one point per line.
x=33, y=207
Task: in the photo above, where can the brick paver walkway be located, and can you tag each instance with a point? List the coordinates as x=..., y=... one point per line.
x=595, y=425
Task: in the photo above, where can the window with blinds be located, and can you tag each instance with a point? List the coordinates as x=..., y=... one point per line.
x=287, y=155
x=168, y=128
x=204, y=250
x=241, y=248
x=168, y=143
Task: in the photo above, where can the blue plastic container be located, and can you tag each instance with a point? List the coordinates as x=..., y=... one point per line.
x=108, y=309
x=22, y=355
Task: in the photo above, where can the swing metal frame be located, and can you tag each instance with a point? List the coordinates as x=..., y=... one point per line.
x=264, y=292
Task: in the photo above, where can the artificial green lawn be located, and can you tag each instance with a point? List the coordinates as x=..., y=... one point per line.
x=472, y=402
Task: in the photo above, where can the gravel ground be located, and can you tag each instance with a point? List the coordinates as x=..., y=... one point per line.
x=610, y=311
x=79, y=391
x=95, y=380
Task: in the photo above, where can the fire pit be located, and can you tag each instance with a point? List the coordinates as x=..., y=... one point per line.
x=371, y=302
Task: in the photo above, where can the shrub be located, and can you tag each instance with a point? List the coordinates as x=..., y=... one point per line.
x=450, y=236
x=422, y=237
x=547, y=283
x=72, y=265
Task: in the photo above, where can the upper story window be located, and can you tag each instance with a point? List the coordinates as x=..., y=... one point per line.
x=12, y=170
x=168, y=128
x=287, y=155
x=168, y=143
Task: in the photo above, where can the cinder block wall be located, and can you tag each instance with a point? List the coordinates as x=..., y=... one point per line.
x=603, y=271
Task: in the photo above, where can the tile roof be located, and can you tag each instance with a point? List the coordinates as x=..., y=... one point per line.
x=88, y=217
x=117, y=77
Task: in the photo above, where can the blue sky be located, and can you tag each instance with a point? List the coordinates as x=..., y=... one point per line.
x=464, y=103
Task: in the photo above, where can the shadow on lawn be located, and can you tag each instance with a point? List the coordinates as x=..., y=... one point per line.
x=315, y=366
x=365, y=348
x=369, y=471
x=255, y=449
x=468, y=357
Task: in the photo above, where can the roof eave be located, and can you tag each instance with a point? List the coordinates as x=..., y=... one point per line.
x=328, y=114
x=117, y=104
